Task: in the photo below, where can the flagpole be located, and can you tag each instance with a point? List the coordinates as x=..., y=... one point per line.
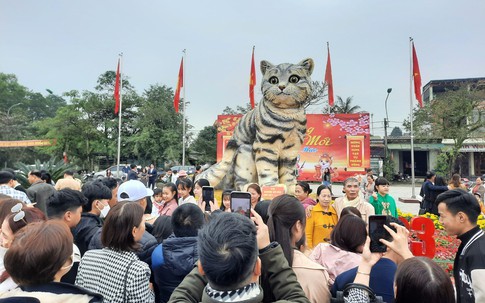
x=413, y=181
x=185, y=99
x=328, y=52
x=119, y=116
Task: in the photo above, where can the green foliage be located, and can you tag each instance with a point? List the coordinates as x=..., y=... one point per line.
x=396, y=132
x=388, y=169
x=158, y=128
x=54, y=167
x=454, y=114
x=344, y=107
x=19, y=107
x=240, y=110
x=86, y=128
x=204, y=148
x=444, y=162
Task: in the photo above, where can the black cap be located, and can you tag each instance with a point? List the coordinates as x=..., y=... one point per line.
x=5, y=177
x=11, y=171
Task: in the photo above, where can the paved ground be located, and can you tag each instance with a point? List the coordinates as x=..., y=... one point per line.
x=397, y=191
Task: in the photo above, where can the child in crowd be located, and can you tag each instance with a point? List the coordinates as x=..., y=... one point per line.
x=186, y=193
x=383, y=203
x=169, y=199
x=157, y=200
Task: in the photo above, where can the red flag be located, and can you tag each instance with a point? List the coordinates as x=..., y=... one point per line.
x=117, y=89
x=328, y=78
x=180, y=83
x=252, y=81
x=417, y=78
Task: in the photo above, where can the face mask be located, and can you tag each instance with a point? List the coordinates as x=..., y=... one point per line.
x=3, y=250
x=104, y=211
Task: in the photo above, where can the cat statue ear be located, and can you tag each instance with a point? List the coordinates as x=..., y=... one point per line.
x=265, y=65
x=308, y=65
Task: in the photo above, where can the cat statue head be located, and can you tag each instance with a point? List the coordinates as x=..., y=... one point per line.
x=287, y=85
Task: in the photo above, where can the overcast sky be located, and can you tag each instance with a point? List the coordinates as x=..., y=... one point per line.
x=65, y=45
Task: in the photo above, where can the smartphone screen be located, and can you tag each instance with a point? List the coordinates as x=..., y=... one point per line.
x=376, y=232
x=241, y=203
x=207, y=195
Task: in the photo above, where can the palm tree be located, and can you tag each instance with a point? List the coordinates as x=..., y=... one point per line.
x=344, y=107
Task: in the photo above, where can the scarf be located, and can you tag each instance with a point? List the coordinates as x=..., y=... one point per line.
x=244, y=293
x=353, y=203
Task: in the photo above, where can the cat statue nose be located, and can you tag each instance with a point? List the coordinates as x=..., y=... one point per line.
x=282, y=86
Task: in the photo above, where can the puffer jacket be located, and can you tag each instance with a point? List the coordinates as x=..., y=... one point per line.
x=172, y=260
x=85, y=230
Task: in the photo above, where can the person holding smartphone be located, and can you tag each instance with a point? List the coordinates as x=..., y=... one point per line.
x=286, y=226
x=417, y=279
x=223, y=273
x=383, y=271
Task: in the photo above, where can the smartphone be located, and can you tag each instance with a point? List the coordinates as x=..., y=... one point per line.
x=241, y=203
x=376, y=232
x=207, y=195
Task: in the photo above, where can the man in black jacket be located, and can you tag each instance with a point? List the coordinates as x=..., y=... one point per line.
x=459, y=211
x=132, y=173
x=97, y=195
x=152, y=176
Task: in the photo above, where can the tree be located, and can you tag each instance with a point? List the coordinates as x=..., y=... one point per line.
x=240, y=110
x=19, y=107
x=396, y=132
x=344, y=107
x=159, y=135
x=318, y=94
x=455, y=114
x=204, y=147
x=87, y=128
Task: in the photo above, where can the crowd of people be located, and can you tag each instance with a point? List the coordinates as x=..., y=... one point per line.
x=114, y=241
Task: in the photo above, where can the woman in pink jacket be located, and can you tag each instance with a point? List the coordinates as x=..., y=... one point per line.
x=345, y=248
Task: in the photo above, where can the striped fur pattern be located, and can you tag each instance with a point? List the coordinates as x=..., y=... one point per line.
x=265, y=144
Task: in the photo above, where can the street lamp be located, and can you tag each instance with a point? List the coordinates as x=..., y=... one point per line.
x=8, y=111
x=386, y=124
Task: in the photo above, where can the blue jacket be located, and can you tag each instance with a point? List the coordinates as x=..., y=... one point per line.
x=381, y=279
x=172, y=260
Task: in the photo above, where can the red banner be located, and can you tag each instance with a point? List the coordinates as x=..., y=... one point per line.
x=337, y=142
